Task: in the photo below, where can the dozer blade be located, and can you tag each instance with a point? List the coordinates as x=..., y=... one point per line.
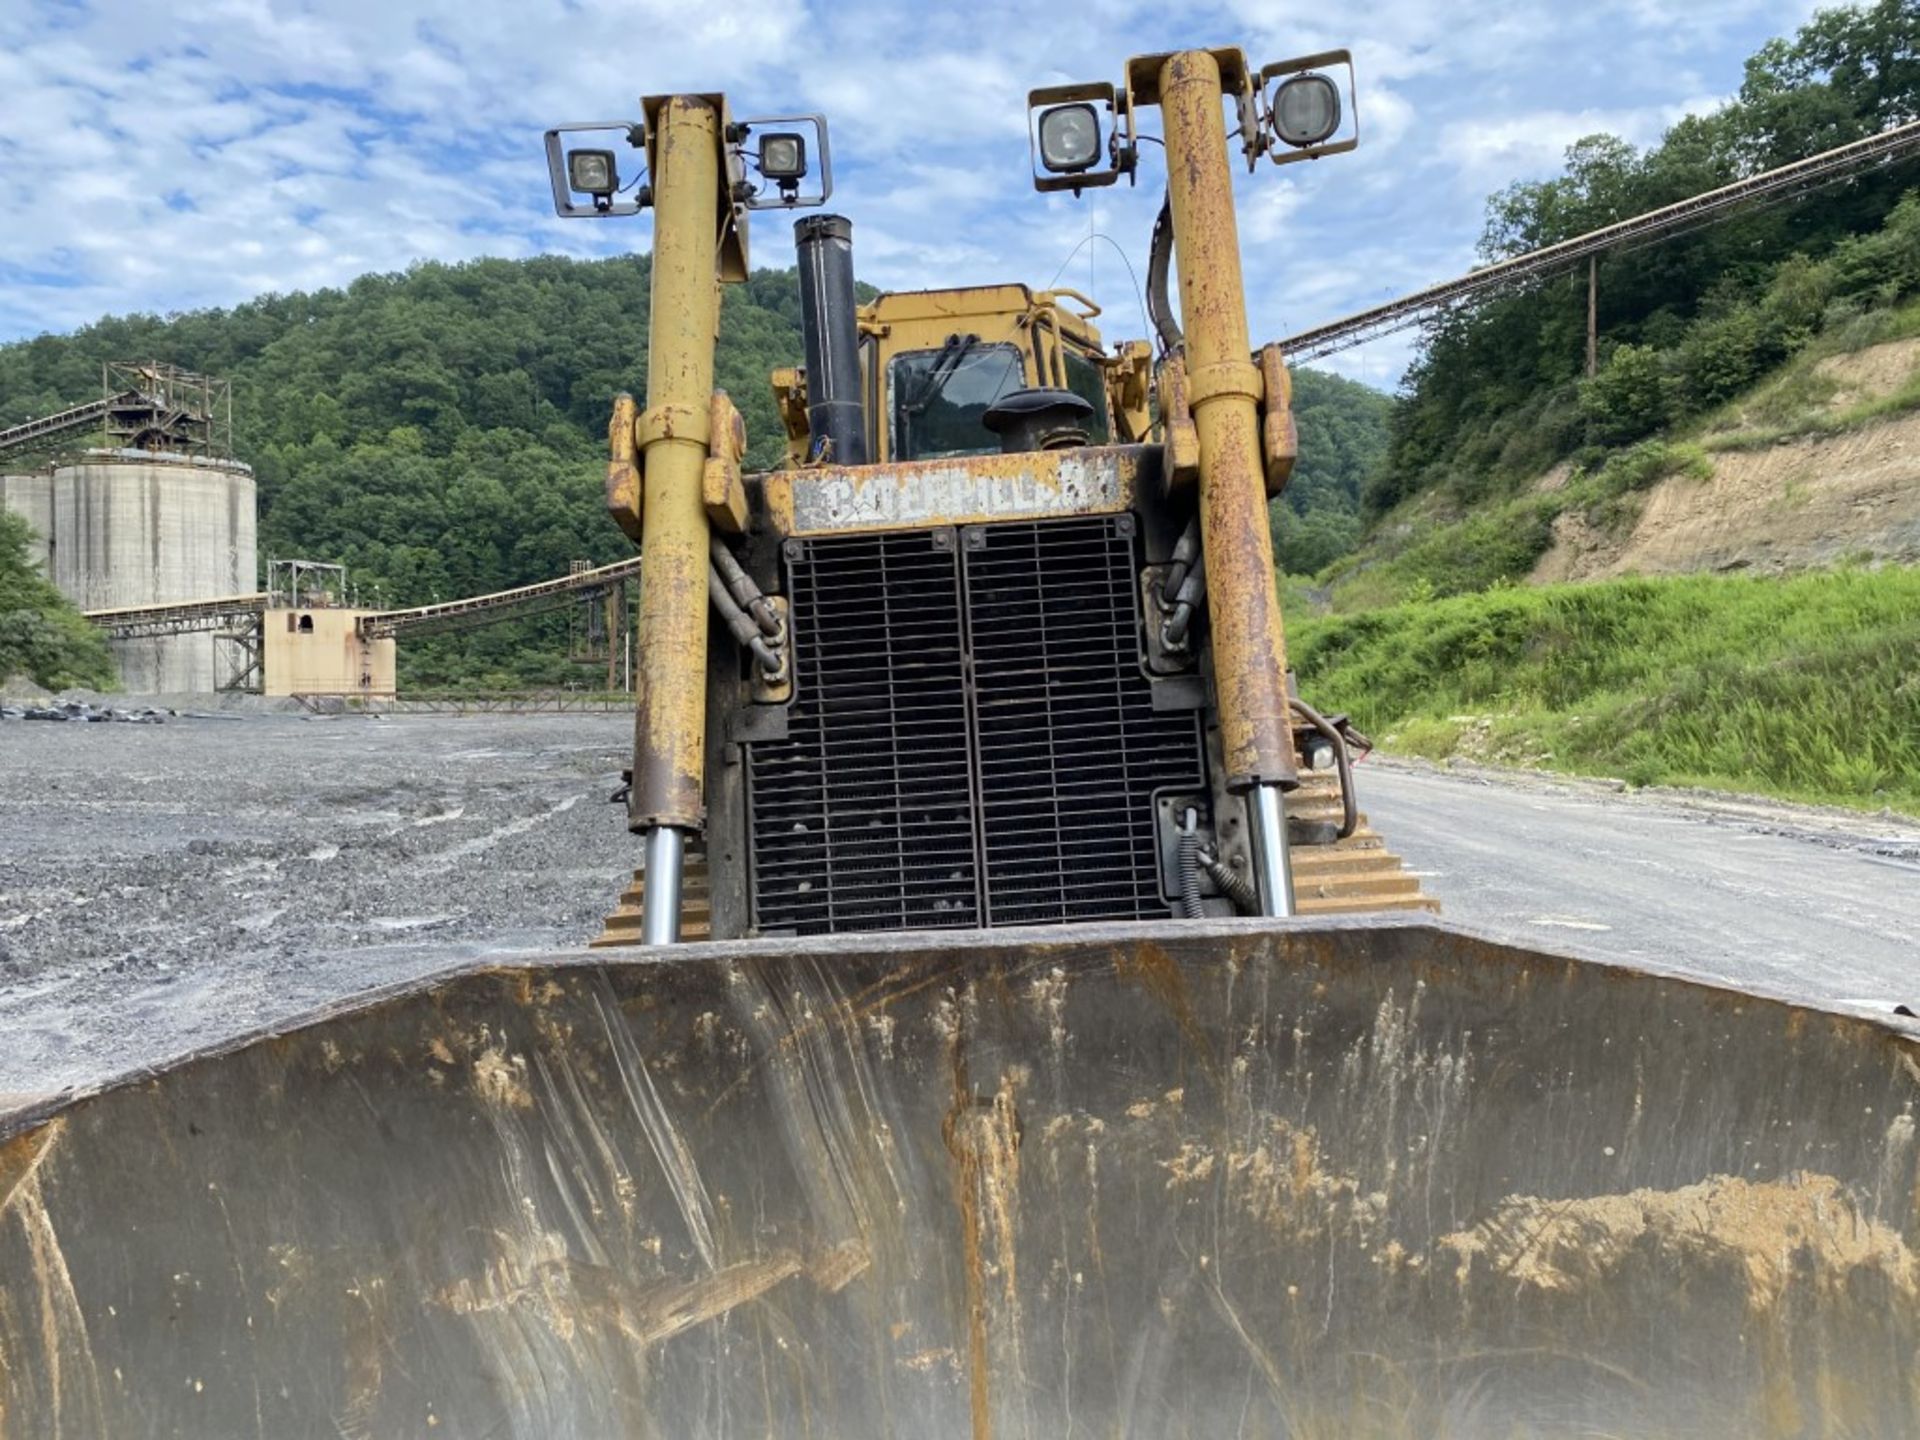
x=1366, y=1178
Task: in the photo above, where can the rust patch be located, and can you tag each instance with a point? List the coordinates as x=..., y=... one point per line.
x=833, y=1270
x=1281, y=1181
x=1802, y=1227
x=21, y=1157
x=525, y=993
x=1160, y=975
x=66, y=1349
x=984, y=1137
x=567, y=1296
x=925, y=1360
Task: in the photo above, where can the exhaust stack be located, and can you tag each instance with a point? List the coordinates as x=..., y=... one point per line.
x=824, y=244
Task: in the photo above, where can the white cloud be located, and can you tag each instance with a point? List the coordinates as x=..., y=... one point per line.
x=1486, y=152
x=147, y=164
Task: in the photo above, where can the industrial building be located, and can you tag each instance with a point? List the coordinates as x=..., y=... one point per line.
x=150, y=530
x=155, y=512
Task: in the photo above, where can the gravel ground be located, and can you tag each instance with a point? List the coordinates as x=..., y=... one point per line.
x=166, y=886
x=162, y=886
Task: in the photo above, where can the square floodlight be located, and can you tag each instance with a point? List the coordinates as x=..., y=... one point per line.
x=1069, y=138
x=1305, y=114
x=593, y=172
x=1066, y=147
x=787, y=169
x=1305, y=109
x=783, y=157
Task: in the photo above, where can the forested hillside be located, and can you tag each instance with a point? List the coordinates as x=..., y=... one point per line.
x=1498, y=392
x=1343, y=441
x=442, y=431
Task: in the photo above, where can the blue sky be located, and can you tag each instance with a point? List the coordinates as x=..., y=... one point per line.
x=160, y=158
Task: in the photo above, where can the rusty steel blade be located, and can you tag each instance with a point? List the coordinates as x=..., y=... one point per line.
x=1334, y=1178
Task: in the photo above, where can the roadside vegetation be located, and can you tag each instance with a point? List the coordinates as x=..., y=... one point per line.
x=1807, y=687
x=1738, y=337
x=41, y=635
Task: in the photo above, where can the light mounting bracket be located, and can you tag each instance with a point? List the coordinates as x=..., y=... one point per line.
x=788, y=195
x=599, y=208
x=1278, y=150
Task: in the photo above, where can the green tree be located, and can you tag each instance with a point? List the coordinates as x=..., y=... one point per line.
x=1498, y=391
x=41, y=635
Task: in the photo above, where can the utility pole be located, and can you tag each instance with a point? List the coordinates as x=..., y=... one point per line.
x=1593, y=311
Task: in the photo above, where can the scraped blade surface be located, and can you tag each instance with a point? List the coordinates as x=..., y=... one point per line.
x=1365, y=1178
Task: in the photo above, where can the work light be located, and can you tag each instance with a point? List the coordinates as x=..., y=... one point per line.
x=592, y=172
x=1305, y=109
x=783, y=157
x=1069, y=138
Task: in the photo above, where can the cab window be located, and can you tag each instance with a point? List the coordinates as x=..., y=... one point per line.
x=937, y=397
x=1085, y=380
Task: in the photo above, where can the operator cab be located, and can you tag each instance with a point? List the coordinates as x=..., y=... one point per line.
x=944, y=357
x=933, y=362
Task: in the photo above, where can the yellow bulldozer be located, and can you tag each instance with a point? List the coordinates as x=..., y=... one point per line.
x=969, y=1057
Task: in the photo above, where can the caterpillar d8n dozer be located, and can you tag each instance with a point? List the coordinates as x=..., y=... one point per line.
x=1012, y=1096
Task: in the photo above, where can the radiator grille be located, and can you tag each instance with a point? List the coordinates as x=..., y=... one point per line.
x=863, y=815
x=918, y=654
x=1070, y=748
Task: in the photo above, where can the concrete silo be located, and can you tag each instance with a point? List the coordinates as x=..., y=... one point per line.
x=31, y=498
x=138, y=527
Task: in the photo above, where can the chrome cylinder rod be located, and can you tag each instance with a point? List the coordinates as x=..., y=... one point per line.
x=1272, y=866
x=660, y=909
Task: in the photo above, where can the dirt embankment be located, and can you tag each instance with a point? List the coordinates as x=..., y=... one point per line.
x=1796, y=505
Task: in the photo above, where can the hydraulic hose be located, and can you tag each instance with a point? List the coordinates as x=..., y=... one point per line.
x=1235, y=886
x=1159, y=263
x=745, y=593
x=742, y=626
x=1184, y=603
x=1185, y=551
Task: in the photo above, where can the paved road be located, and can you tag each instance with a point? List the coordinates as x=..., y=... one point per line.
x=1810, y=903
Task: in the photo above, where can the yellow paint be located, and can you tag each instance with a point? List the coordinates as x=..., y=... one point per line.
x=1223, y=392
x=1036, y=323
x=674, y=433
x=623, y=468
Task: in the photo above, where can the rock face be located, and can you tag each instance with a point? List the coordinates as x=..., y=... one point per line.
x=1798, y=505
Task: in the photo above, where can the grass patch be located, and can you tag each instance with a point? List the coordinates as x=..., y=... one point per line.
x=1498, y=546
x=1641, y=467
x=1501, y=543
x=1819, y=423
x=1807, y=688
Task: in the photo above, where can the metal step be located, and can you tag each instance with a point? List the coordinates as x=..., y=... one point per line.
x=1350, y=877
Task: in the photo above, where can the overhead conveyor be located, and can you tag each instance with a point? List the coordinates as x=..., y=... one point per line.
x=92, y=415
x=484, y=609
x=1708, y=208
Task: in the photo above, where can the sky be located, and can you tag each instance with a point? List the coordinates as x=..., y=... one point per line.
x=171, y=157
